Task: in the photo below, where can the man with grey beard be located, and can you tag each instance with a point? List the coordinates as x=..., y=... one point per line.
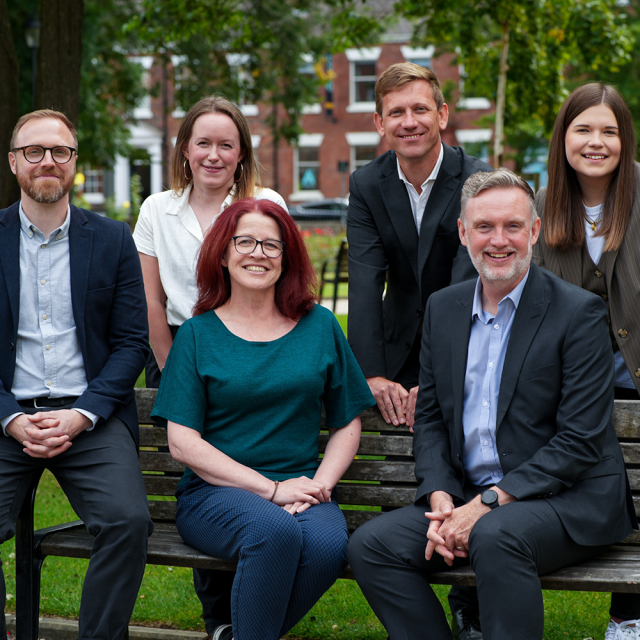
x=519, y=468
x=73, y=340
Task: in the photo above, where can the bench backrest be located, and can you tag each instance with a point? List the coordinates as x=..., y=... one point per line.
x=372, y=483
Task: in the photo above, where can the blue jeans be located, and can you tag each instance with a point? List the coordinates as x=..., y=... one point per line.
x=285, y=562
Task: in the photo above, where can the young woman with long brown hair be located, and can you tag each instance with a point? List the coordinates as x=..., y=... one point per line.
x=590, y=214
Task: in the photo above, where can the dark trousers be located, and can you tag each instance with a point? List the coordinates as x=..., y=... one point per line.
x=100, y=474
x=285, y=562
x=508, y=548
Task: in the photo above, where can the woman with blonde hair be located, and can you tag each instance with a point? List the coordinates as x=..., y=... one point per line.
x=590, y=214
x=212, y=167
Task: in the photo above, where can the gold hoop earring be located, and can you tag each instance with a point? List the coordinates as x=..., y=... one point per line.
x=241, y=172
x=184, y=169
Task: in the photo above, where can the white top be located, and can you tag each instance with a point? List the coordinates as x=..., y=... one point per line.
x=419, y=200
x=168, y=229
x=595, y=244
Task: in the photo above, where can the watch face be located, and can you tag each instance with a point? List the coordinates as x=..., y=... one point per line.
x=489, y=497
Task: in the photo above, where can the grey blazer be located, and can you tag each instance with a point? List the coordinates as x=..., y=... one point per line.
x=384, y=247
x=554, y=433
x=623, y=280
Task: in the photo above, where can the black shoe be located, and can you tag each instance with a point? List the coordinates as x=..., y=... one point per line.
x=222, y=632
x=465, y=625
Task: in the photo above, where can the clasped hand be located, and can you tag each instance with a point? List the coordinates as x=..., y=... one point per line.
x=298, y=494
x=47, y=434
x=450, y=527
x=396, y=404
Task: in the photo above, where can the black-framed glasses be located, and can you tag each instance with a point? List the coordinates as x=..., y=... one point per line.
x=34, y=153
x=247, y=244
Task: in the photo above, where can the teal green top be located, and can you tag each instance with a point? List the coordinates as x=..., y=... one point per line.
x=260, y=402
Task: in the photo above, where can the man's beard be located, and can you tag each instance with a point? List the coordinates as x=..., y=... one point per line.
x=45, y=191
x=494, y=274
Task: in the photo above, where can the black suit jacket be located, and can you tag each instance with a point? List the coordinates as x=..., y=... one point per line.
x=554, y=433
x=384, y=244
x=109, y=309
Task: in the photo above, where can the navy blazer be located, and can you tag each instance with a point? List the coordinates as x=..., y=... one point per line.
x=384, y=248
x=109, y=309
x=554, y=434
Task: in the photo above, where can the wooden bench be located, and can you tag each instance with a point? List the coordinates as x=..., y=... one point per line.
x=378, y=483
x=339, y=274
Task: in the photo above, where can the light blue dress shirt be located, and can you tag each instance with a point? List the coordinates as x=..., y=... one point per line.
x=488, y=343
x=49, y=362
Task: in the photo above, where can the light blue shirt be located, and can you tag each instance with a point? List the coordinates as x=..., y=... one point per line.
x=49, y=362
x=487, y=349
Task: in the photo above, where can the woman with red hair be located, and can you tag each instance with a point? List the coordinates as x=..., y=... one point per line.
x=242, y=393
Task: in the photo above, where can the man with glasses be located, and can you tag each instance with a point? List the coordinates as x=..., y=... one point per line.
x=73, y=340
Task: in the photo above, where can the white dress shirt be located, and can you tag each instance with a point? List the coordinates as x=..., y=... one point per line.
x=168, y=230
x=419, y=200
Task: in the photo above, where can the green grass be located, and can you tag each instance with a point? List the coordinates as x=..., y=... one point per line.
x=343, y=291
x=167, y=599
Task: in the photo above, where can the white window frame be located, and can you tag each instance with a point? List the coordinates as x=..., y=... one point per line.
x=177, y=62
x=143, y=110
x=417, y=54
x=305, y=140
x=369, y=54
x=479, y=104
x=249, y=110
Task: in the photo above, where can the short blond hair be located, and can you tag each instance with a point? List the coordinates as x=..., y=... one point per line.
x=501, y=178
x=401, y=74
x=44, y=113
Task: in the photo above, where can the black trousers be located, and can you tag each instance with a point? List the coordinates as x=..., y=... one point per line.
x=100, y=474
x=508, y=548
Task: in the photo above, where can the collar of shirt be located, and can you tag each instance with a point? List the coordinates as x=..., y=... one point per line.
x=514, y=295
x=179, y=204
x=432, y=176
x=29, y=228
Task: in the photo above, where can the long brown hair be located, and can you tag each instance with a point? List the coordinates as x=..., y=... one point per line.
x=564, y=209
x=247, y=172
x=297, y=286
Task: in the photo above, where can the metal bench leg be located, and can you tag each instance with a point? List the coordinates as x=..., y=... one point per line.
x=28, y=565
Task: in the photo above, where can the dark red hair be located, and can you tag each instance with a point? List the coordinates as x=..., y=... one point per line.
x=295, y=290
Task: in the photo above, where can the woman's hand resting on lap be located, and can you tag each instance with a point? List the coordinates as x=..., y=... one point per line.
x=294, y=493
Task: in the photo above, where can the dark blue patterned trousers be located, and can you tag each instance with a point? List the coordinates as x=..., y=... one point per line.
x=285, y=562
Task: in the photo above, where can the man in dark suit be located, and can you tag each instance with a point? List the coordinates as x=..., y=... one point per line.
x=519, y=468
x=73, y=340
x=401, y=228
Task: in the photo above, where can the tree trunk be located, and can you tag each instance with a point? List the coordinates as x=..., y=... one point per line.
x=9, y=110
x=60, y=57
x=501, y=99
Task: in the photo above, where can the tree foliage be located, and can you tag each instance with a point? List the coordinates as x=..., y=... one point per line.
x=546, y=38
x=252, y=51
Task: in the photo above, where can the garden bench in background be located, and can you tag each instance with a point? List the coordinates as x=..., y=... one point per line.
x=380, y=484
x=340, y=273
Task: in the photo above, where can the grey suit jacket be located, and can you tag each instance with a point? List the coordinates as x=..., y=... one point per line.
x=623, y=280
x=384, y=246
x=554, y=433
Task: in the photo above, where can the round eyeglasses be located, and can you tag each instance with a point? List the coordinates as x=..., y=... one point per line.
x=34, y=153
x=247, y=244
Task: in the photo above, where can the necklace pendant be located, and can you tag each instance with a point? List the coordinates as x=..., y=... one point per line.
x=594, y=226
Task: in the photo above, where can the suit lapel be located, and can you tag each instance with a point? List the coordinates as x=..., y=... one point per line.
x=441, y=194
x=396, y=201
x=10, y=257
x=461, y=320
x=80, y=244
x=529, y=314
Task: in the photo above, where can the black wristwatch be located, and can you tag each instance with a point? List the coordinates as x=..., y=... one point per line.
x=489, y=498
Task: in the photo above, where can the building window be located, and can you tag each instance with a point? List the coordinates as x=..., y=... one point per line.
x=93, y=181
x=362, y=79
x=418, y=55
x=143, y=109
x=306, y=168
x=475, y=142
x=363, y=148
